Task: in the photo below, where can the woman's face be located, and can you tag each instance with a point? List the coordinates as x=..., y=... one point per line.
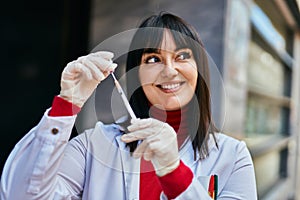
x=169, y=76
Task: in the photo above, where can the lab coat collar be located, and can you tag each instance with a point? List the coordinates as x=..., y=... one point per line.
x=186, y=151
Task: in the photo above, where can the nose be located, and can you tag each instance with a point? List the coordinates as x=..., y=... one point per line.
x=169, y=71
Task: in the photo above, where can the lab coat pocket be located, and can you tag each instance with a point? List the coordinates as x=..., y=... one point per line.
x=210, y=184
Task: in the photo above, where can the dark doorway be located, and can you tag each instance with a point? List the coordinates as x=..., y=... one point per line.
x=37, y=38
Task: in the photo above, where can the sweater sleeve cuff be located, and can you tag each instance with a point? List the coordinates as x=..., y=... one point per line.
x=61, y=107
x=174, y=183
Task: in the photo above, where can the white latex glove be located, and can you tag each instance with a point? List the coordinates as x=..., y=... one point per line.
x=80, y=77
x=159, y=144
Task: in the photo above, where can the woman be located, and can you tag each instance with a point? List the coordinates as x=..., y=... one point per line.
x=169, y=152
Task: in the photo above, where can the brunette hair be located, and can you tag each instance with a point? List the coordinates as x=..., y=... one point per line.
x=149, y=36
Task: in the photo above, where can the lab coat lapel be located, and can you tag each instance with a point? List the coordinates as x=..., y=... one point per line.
x=131, y=171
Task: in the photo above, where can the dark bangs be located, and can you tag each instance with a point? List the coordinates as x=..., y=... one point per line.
x=149, y=37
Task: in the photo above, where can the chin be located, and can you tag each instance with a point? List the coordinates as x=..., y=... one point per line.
x=173, y=106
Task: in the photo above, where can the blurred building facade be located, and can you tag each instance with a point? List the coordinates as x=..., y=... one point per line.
x=261, y=77
x=256, y=48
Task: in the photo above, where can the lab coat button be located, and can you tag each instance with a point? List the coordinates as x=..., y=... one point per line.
x=54, y=131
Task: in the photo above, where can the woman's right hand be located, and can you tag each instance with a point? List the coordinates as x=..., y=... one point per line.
x=80, y=77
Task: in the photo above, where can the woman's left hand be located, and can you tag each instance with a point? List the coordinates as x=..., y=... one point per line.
x=159, y=144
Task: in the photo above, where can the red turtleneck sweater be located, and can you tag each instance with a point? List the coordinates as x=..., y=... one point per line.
x=151, y=186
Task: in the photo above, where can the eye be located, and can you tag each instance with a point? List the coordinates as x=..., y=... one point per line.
x=183, y=55
x=152, y=59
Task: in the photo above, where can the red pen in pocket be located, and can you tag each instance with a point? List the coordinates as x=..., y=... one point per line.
x=213, y=187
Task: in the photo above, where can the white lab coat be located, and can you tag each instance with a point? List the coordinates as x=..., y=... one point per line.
x=96, y=165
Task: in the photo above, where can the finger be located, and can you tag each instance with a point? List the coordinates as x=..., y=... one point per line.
x=137, y=135
x=153, y=124
x=70, y=72
x=103, y=64
x=148, y=154
x=140, y=124
x=139, y=151
x=75, y=68
x=85, y=72
x=96, y=72
x=156, y=146
x=112, y=67
x=159, y=145
x=104, y=54
x=153, y=142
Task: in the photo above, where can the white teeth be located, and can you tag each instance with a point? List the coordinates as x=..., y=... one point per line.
x=170, y=86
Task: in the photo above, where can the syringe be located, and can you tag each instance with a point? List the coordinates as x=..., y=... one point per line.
x=124, y=98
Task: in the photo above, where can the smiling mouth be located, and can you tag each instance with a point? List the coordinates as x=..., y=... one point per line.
x=170, y=87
